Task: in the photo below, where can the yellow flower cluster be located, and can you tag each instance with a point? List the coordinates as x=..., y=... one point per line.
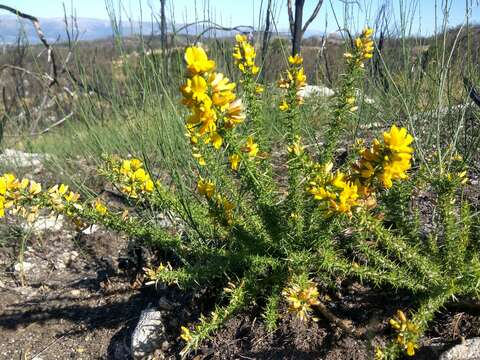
x=296, y=148
x=333, y=190
x=25, y=198
x=60, y=197
x=212, y=101
x=244, y=55
x=16, y=194
x=294, y=78
x=207, y=188
x=301, y=299
x=363, y=49
x=407, y=332
x=186, y=335
x=131, y=177
x=386, y=161
x=100, y=207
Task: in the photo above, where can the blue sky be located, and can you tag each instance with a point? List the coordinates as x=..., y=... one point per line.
x=421, y=13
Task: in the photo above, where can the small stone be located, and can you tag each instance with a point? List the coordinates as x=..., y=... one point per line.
x=468, y=350
x=75, y=292
x=22, y=266
x=165, y=345
x=149, y=334
x=91, y=229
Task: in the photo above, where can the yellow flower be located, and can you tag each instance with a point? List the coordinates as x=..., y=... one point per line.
x=206, y=188
x=301, y=298
x=240, y=38
x=100, y=207
x=250, y=148
x=283, y=106
x=295, y=60
x=197, y=60
x=135, y=164
x=72, y=197
x=234, y=161
x=300, y=79
x=147, y=185
x=35, y=188
x=379, y=355
x=186, y=335
x=234, y=114
x=259, y=89
x=410, y=348
x=198, y=87
x=297, y=147
x=398, y=140
x=216, y=140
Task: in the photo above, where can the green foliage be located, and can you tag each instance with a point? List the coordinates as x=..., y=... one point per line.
x=279, y=229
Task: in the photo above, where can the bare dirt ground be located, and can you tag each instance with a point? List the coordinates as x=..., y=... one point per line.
x=73, y=304
x=78, y=299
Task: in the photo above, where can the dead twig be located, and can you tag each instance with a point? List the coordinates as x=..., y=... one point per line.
x=36, y=24
x=342, y=324
x=59, y=122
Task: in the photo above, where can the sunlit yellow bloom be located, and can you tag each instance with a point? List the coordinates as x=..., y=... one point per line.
x=283, y=106
x=234, y=114
x=398, y=140
x=216, y=140
x=234, y=161
x=407, y=332
x=35, y=188
x=250, y=148
x=259, y=89
x=240, y=38
x=297, y=147
x=186, y=335
x=198, y=86
x=301, y=299
x=72, y=197
x=197, y=60
x=300, y=79
x=100, y=207
x=295, y=60
x=206, y=188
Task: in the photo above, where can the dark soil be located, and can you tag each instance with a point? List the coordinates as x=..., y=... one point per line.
x=82, y=298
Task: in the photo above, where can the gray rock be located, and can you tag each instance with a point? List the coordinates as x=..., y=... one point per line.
x=467, y=350
x=149, y=334
x=21, y=159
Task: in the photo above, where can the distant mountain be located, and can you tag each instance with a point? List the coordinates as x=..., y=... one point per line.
x=88, y=29
x=54, y=28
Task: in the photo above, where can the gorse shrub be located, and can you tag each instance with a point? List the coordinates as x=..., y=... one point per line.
x=263, y=240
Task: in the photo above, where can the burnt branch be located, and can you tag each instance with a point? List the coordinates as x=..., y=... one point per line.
x=313, y=16
x=36, y=24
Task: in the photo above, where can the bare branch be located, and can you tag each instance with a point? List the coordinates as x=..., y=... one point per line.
x=290, y=15
x=313, y=16
x=41, y=36
x=59, y=122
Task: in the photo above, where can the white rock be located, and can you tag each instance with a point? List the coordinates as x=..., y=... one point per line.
x=21, y=159
x=45, y=223
x=468, y=350
x=149, y=334
x=22, y=266
x=91, y=229
x=316, y=90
